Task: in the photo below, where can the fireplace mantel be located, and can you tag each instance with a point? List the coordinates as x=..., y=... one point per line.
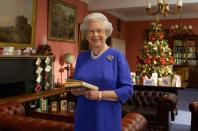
x=22, y=69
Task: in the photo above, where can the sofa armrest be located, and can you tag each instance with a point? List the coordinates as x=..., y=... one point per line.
x=169, y=101
x=193, y=107
x=24, y=123
x=12, y=108
x=134, y=122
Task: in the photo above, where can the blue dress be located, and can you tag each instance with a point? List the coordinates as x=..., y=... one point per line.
x=109, y=72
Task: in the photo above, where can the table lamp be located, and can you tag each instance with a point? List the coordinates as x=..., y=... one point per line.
x=68, y=59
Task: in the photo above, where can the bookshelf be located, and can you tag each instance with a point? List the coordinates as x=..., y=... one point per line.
x=185, y=52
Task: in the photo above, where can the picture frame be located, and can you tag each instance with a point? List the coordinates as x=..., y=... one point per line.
x=62, y=21
x=17, y=26
x=83, y=44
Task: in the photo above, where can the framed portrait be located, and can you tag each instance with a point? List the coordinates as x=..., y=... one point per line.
x=62, y=21
x=17, y=26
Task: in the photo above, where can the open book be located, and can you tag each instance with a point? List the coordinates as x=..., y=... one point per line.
x=70, y=83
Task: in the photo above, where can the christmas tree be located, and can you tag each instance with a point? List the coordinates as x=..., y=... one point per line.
x=156, y=56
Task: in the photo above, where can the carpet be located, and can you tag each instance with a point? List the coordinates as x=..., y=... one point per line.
x=183, y=119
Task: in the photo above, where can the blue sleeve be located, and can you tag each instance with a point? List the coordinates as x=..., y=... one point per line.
x=76, y=67
x=124, y=82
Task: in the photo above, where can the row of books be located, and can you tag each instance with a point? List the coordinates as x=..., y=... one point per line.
x=193, y=55
x=184, y=61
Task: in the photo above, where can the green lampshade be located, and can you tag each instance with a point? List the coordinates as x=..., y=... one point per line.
x=68, y=58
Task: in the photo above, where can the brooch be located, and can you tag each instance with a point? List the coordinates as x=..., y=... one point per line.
x=109, y=58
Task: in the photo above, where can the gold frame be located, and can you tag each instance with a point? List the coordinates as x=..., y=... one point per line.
x=20, y=44
x=65, y=28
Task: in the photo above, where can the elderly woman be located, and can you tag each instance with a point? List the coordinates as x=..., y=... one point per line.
x=106, y=68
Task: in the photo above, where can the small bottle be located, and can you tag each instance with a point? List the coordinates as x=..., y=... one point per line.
x=43, y=104
x=63, y=102
x=54, y=104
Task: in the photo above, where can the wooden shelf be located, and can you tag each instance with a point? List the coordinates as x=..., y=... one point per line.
x=25, y=57
x=36, y=96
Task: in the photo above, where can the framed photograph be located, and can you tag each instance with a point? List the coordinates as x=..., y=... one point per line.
x=62, y=23
x=71, y=106
x=17, y=24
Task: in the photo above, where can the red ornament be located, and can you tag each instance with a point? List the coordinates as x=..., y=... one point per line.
x=163, y=61
x=161, y=35
x=153, y=37
x=147, y=61
x=172, y=60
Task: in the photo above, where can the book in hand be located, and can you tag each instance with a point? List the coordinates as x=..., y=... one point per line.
x=70, y=83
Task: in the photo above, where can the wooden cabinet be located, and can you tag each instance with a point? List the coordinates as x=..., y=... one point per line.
x=185, y=52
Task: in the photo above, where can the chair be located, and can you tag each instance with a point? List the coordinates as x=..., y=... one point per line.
x=193, y=107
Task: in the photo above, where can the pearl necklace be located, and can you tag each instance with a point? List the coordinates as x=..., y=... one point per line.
x=94, y=57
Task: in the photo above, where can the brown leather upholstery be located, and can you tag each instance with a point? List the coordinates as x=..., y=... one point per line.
x=12, y=118
x=193, y=107
x=134, y=122
x=156, y=106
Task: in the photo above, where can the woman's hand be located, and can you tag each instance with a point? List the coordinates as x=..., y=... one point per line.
x=91, y=94
x=77, y=91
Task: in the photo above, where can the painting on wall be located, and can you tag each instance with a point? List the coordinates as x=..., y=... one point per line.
x=17, y=23
x=82, y=41
x=62, y=21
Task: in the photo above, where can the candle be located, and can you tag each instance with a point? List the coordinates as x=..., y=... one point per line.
x=160, y=1
x=44, y=41
x=167, y=7
x=179, y=3
x=190, y=27
x=148, y=4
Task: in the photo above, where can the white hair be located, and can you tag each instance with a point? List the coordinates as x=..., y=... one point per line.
x=96, y=17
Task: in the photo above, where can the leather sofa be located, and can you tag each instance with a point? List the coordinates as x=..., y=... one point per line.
x=158, y=107
x=193, y=107
x=13, y=118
